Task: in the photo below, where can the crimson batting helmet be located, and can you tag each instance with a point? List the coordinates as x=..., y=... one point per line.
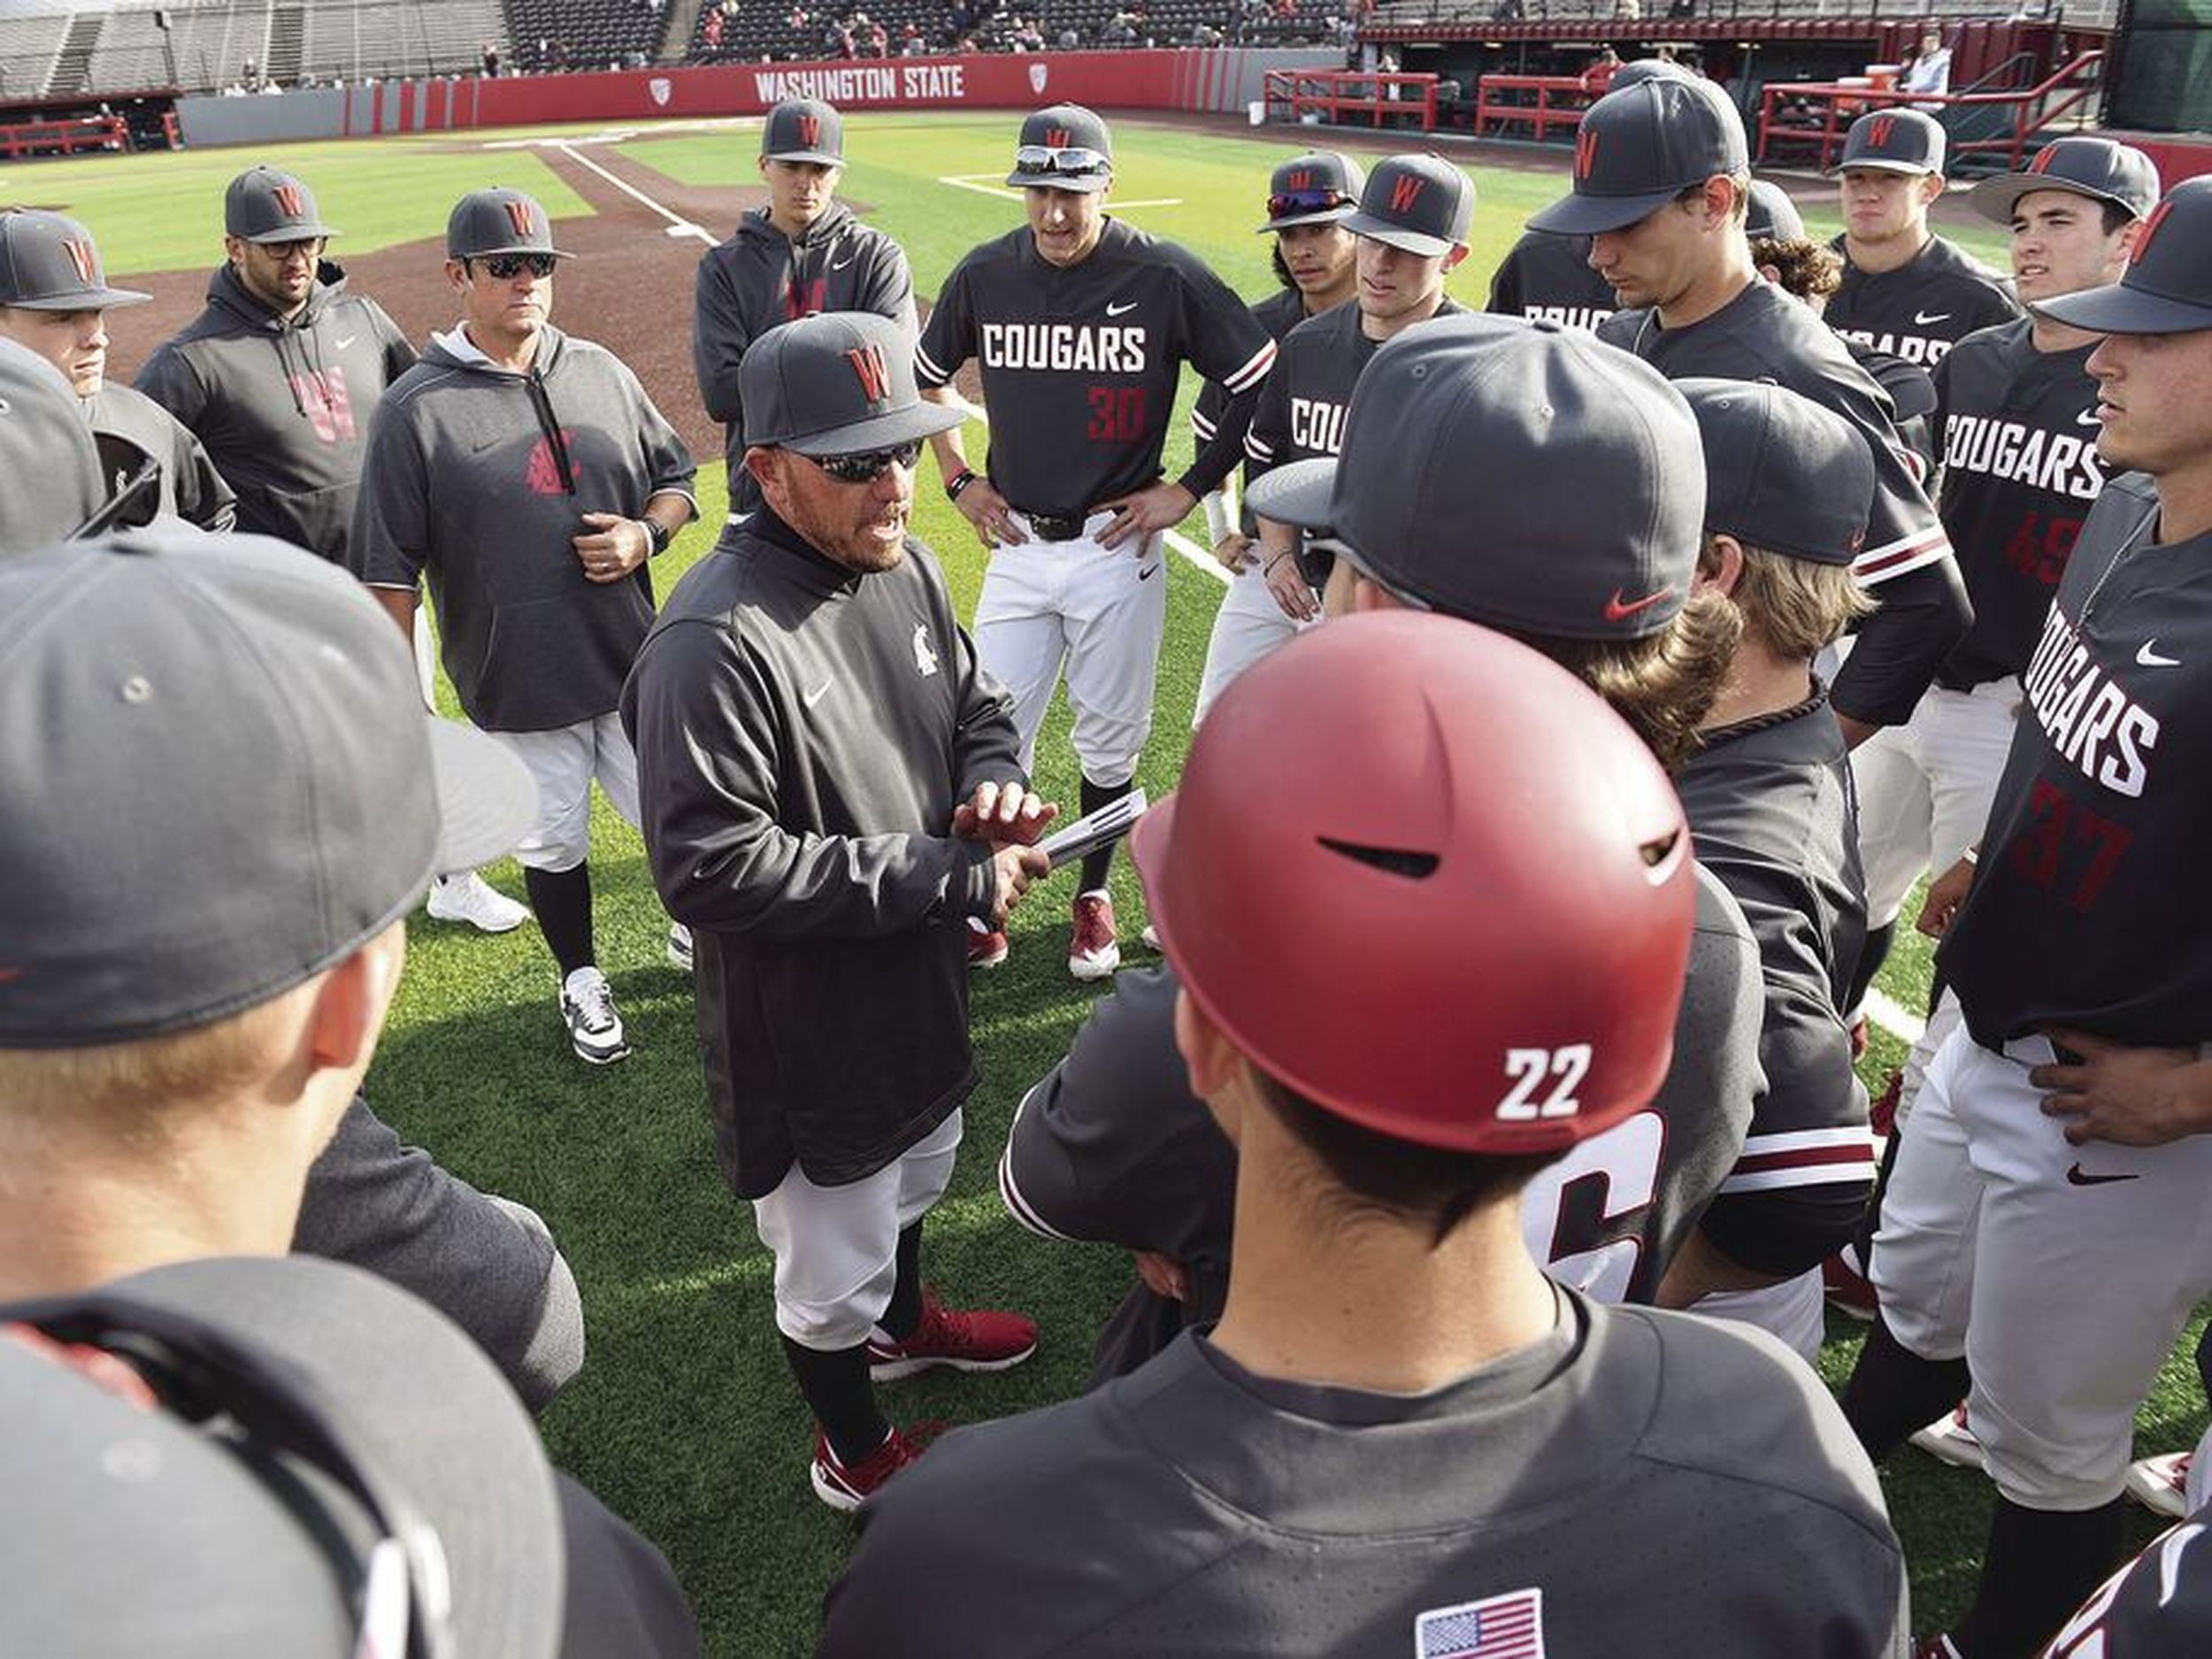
x=1410, y=777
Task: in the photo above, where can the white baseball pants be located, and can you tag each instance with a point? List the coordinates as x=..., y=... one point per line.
x=1925, y=787
x=2064, y=1274
x=1096, y=613
x=1248, y=626
x=564, y=762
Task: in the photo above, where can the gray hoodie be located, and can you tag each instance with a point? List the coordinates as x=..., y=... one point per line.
x=478, y=477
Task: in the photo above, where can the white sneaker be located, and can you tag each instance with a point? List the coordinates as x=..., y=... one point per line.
x=595, y=1030
x=468, y=897
x=1949, y=1440
x=679, y=946
x=2161, y=1484
x=1151, y=937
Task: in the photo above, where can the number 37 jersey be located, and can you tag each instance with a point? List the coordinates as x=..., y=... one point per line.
x=1079, y=363
x=2088, y=903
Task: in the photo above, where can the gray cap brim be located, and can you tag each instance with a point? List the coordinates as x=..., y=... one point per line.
x=1398, y=236
x=1323, y=215
x=296, y=232
x=494, y=253
x=881, y=432
x=487, y=799
x=822, y=156
x=1877, y=164
x=1580, y=215
x=1303, y=493
x=1992, y=198
x=1080, y=183
x=99, y=299
x=2121, y=310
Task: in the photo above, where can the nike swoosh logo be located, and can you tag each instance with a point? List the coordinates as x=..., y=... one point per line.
x=348, y=340
x=2076, y=1178
x=1147, y=571
x=1619, y=609
x=1127, y=306
x=1922, y=318
x=2148, y=656
x=2089, y=418
x=838, y=264
x=814, y=696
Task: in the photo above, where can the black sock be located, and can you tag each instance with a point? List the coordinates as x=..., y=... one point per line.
x=1894, y=1392
x=1872, y=954
x=2039, y=1565
x=905, y=1311
x=562, y=899
x=1862, y=1241
x=834, y=1383
x=1095, y=796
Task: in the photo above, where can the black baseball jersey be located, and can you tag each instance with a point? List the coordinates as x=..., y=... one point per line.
x=2088, y=903
x=283, y=405
x=1112, y=1146
x=1924, y=307
x=1079, y=363
x=761, y=278
x=130, y=429
x=1547, y=277
x=2018, y=429
x=1772, y=814
x=2159, y=1606
x=1306, y=397
x=1634, y=1482
x=1763, y=334
x=1278, y=313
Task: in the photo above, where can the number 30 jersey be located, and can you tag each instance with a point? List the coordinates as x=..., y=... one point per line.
x=2088, y=903
x=1079, y=363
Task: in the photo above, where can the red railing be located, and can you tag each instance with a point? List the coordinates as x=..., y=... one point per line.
x=64, y=138
x=1819, y=113
x=1344, y=96
x=1503, y=100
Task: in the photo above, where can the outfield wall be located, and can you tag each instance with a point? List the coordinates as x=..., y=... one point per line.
x=1216, y=80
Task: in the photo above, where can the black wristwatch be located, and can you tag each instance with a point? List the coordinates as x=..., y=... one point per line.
x=658, y=534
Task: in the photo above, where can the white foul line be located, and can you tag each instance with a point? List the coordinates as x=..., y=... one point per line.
x=1899, y=1022
x=676, y=227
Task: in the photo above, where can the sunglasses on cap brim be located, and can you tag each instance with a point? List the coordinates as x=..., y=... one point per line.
x=865, y=466
x=1290, y=202
x=1073, y=161
x=505, y=267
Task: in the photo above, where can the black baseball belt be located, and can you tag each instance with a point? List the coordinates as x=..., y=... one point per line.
x=1054, y=527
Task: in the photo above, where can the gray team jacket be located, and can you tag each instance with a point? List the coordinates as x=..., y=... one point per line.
x=283, y=405
x=479, y=477
x=130, y=429
x=761, y=278
x=803, y=734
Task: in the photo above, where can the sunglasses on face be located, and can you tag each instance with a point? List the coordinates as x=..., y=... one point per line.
x=1038, y=159
x=505, y=268
x=870, y=465
x=1305, y=202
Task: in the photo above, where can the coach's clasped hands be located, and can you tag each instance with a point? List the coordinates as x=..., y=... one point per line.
x=612, y=546
x=1012, y=820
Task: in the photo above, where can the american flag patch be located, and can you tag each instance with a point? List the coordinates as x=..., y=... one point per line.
x=1503, y=1627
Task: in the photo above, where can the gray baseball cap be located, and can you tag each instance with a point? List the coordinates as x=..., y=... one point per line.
x=263, y=204
x=253, y=788
x=804, y=129
x=1419, y=204
x=1781, y=472
x=2167, y=287
x=836, y=383
x=49, y=263
x=1638, y=149
x=1514, y=473
x=194, y=1514
x=1893, y=140
x=1638, y=70
x=2099, y=168
x=1064, y=147
x=43, y=437
x=1772, y=216
x=1319, y=187
x=492, y=221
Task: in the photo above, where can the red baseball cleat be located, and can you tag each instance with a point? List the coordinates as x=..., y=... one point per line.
x=842, y=1485
x=1094, y=952
x=986, y=947
x=978, y=1339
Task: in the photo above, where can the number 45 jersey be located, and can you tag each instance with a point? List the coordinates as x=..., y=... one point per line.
x=1079, y=363
x=2088, y=903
